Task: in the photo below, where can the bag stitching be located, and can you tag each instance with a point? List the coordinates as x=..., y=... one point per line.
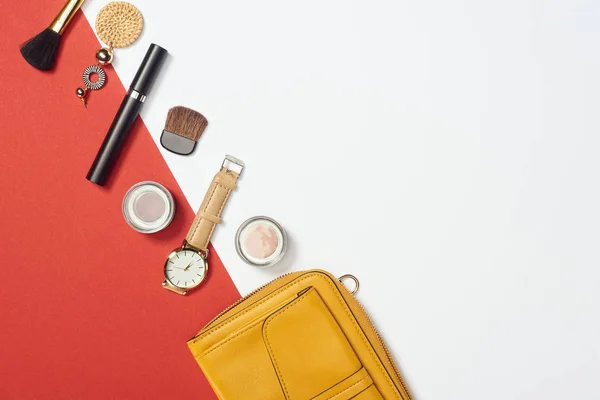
x=344, y=306
x=229, y=339
x=361, y=334
x=259, y=303
x=348, y=388
x=279, y=314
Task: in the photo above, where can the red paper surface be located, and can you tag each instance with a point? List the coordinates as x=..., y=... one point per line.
x=82, y=311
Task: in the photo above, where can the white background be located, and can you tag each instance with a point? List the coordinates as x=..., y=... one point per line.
x=444, y=152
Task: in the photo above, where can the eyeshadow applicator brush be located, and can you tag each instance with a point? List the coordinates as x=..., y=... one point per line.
x=40, y=51
x=183, y=128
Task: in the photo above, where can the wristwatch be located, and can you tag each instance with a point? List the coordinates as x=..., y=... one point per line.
x=187, y=267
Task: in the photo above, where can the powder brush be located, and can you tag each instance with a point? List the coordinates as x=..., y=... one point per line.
x=183, y=128
x=40, y=51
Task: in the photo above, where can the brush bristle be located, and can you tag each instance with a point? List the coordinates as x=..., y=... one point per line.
x=185, y=122
x=40, y=51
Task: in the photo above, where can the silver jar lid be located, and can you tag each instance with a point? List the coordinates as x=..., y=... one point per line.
x=148, y=207
x=260, y=241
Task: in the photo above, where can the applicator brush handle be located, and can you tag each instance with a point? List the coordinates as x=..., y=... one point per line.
x=64, y=17
x=125, y=117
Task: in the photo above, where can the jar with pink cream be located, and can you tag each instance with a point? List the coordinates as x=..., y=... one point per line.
x=261, y=241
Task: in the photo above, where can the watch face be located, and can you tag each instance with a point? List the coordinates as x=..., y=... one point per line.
x=185, y=268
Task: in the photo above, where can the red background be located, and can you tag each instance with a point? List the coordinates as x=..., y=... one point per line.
x=81, y=305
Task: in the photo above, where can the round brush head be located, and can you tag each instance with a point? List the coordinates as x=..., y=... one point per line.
x=40, y=51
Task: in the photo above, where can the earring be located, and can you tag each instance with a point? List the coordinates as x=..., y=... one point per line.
x=118, y=24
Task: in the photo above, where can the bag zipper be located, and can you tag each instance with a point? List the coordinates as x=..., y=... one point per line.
x=225, y=311
x=387, y=351
x=385, y=348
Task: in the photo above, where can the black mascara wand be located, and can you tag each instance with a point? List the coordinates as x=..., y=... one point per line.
x=40, y=51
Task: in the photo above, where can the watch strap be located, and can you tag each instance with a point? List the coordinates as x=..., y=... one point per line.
x=172, y=288
x=209, y=214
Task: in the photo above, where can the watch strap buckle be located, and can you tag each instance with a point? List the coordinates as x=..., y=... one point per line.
x=231, y=160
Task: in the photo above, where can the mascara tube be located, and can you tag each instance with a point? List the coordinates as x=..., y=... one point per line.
x=128, y=112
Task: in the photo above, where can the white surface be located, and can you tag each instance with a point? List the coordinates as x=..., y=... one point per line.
x=445, y=152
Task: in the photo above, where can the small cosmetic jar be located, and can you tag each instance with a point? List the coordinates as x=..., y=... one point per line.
x=261, y=241
x=148, y=207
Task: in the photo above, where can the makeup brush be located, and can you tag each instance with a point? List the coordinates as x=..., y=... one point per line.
x=183, y=128
x=127, y=114
x=40, y=51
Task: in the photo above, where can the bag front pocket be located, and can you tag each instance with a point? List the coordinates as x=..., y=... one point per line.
x=234, y=358
x=357, y=386
x=311, y=355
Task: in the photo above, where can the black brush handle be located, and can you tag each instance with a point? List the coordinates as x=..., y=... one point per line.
x=113, y=141
x=128, y=112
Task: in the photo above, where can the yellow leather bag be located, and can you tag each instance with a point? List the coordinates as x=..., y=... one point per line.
x=303, y=336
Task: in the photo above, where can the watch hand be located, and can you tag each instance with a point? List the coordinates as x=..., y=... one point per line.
x=188, y=267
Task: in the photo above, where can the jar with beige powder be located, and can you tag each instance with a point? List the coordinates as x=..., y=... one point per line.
x=261, y=241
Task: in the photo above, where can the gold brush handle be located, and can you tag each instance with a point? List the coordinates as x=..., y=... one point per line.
x=65, y=15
